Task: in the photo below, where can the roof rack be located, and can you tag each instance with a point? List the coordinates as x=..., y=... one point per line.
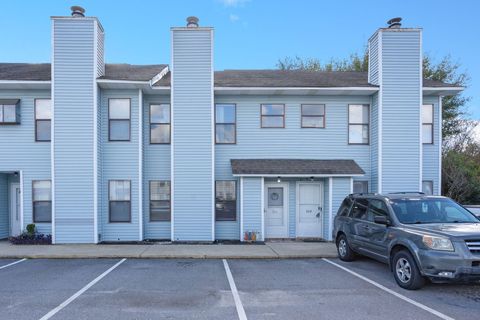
x=365, y=194
x=407, y=192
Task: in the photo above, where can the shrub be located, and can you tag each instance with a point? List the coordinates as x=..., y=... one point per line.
x=31, y=237
x=31, y=228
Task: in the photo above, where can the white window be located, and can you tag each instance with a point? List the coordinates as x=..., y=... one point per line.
x=313, y=115
x=119, y=198
x=119, y=119
x=43, y=119
x=42, y=201
x=427, y=123
x=358, y=123
x=159, y=123
x=427, y=187
x=160, y=201
x=9, y=111
x=273, y=115
x=225, y=123
x=360, y=186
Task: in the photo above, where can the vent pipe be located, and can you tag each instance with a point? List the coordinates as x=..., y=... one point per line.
x=192, y=22
x=77, y=12
x=394, y=23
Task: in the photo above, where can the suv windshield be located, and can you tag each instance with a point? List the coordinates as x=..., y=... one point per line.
x=430, y=210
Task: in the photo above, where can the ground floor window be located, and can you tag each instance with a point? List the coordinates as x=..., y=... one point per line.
x=225, y=200
x=427, y=187
x=42, y=201
x=360, y=186
x=160, y=201
x=119, y=201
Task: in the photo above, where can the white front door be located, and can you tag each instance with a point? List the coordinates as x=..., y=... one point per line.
x=276, y=210
x=310, y=209
x=15, y=219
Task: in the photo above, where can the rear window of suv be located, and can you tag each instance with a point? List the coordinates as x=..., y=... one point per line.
x=435, y=210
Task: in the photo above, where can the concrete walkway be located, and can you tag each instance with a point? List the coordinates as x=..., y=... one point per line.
x=271, y=250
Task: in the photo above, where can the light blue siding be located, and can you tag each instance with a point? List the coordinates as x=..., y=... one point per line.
x=120, y=161
x=74, y=70
x=292, y=141
x=192, y=104
x=431, y=156
x=26, y=155
x=373, y=57
x=4, y=207
x=252, y=205
x=156, y=166
x=374, y=135
x=401, y=101
x=340, y=189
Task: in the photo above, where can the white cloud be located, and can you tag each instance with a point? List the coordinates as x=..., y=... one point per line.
x=234, y=18
x=234, y=3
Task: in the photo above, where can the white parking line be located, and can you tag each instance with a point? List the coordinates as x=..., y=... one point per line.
x=79, y=292
x=11, y=264
x=396, y=294
x=236, y=297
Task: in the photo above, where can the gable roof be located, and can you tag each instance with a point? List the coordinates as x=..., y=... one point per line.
x=226, y=78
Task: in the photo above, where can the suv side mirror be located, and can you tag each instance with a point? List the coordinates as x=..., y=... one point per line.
x=381, y=220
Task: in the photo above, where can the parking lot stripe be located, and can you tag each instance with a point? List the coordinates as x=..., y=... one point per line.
x=396, y=294
x=13, y=263
x=236, y=296
x=79, y=292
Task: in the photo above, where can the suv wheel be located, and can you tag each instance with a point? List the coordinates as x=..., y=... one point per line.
x=345, y=253
x=406, y=272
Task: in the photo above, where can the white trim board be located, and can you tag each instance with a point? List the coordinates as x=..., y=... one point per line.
x=299, y=175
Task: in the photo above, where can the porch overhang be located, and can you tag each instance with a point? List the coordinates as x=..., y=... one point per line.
x=295, y=168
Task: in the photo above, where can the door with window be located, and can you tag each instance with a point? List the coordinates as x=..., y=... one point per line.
x=310, y=210
x=15, y=210
x=276, y=210
x=377, y=242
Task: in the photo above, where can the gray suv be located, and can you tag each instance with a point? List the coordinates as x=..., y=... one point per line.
x=420, y=237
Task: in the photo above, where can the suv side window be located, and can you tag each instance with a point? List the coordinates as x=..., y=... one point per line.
x=345, y=207
x=359, y=210
x=377, y=208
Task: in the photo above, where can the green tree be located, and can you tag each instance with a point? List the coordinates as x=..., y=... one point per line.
x=446, y=70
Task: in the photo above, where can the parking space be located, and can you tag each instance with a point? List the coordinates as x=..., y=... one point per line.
x=186, y=289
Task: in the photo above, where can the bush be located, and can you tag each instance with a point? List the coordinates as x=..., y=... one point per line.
x=31, y=228
x=26, y=238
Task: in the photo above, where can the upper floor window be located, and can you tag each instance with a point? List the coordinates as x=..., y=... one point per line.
x=273, y=115
x=427, y=123
x=119, y=119
x=160, y=123
x=358, y=123
x=225, y=200
x=9, y=111
x=160, y=201
x=225, y=123
x=42, y=201
x=313, y=116
x=43, y=119
x=119, y=201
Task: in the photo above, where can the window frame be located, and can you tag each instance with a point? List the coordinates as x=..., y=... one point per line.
x=226, y=123
x=42, y=120
x=150, y=200
x=357, y=123
x=110, y=201
x=361, y=181
x=34, y=201
x=236, y=199
x=310, y=116
x=160, y=123
x=432, y=124
x=262, y=115
x=129, y=121
x=17, y=112
x=432, y=184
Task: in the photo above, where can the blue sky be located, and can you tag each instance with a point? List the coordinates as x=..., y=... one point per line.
x=251, y=33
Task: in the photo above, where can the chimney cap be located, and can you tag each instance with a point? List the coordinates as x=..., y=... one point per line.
x=394, y=22
x=192, y=22
x=77, y=11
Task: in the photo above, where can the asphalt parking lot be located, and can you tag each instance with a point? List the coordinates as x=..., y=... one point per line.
x=221, y=289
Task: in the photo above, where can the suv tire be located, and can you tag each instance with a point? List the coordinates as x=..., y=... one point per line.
x=405, y=271
x=345, y=253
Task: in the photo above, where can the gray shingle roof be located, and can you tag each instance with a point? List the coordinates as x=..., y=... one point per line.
x=294, y=166
x=226, y=78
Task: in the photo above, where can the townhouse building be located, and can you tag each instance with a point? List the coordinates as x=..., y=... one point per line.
x=94, y=152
